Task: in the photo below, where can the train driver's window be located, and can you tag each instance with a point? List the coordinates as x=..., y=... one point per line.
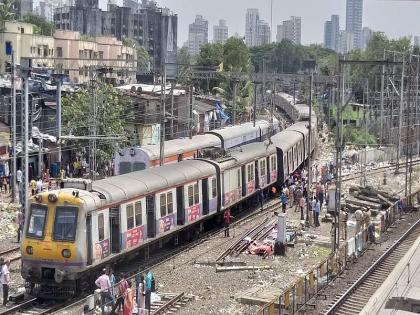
x=36, y=226
x=213, y=187
x=101, y=230
x=65, y=223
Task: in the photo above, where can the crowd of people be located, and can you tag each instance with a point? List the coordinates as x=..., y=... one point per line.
x=127, y=296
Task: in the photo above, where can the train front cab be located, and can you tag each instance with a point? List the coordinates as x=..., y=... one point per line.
x=51, y=258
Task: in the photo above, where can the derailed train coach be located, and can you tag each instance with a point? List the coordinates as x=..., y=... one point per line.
x=72, y=233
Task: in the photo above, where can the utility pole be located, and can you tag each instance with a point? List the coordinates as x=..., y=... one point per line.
x=190, y=119
x=172, y=109
x=235, y=86
x=26, y=68
x=273, y=95
x=93, y=128
x=254, y=116
x=163, y=118
x=400, y=118
x=309, y=190
x=14, y=158
x=381, y=123
x=58, y=113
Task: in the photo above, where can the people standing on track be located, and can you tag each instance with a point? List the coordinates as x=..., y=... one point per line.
x=39, y=185
x=5, y=279
x=19, y=175
x=320, y=194
x=32, y=184
x=121, y=288
x=129, y=299
x=113, y=282
x=299, y=195
x=317, y=211
x=302, y=204
x=227, y=217
x=20, y=220
x=261, y=197
x=141, y=297
x=291, y=194
x=284, y=200
x=104, y=284
x=149, y=288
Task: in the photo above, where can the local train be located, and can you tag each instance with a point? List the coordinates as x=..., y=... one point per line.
x=139, y=158
x=72, y=233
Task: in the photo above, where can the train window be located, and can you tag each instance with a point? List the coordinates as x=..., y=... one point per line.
x=213, y=187
x=169, y=202
x=273, y=163
x=190, y=195
x=250, y=171
x=162, y=205
x=65, y=224
x=101, y=227
x=37, y=220
x=130, y=216
x=263, y=171
x=138, y=209
x=196, y=194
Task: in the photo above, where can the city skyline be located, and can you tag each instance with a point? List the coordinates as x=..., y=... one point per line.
x=376, y=15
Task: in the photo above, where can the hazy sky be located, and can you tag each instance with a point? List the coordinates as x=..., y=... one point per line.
x=395, y=18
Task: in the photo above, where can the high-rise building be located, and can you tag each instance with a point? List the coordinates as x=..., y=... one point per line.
x=198, y=35
x=290, y=30
x=354, y=20
x=280, y=33
x=345, y=42
x=332, y=32
x=152, y=27
x=23, y=7
x=251, y=27
x=45, y=10
x=220, y=32
x=417, y=41
x=264, y=33
x=367, y=34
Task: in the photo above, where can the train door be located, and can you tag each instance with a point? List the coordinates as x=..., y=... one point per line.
x=205, y=190
x=244, y=184
x=89, y=239
x=180, y=209
x=151, y=216
x=257, y=174
x=114, y=222
x=268, y=167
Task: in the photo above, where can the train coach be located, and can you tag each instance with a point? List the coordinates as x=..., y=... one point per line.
x=72, y=233
x=140, y=158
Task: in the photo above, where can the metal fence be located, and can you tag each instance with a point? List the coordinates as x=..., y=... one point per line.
x=298, y=295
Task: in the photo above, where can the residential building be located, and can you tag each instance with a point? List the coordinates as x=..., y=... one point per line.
x=354, y=21
x=367, y=34
x=152, y=27
x=332, y=32
x=251, y=27
x=346, y=42
x=417, y=41
x=264, y=33
x=198, y=35
x=70, y=46
x=23, y=7
x=220, y=32
x=45, y=10
x=290, y=30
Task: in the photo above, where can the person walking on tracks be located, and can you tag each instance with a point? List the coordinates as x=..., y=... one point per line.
x=104, y=284
x=121, y=290
x=284, y=200
x=227, y=217
x=5, y=279
x=141, y=296
x=129, y=299
x=317, y=211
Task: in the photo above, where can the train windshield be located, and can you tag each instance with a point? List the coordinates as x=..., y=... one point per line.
x=37, y=219
x=65, y=223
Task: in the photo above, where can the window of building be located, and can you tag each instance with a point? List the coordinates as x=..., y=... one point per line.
x=59, y=51
x=22, y=30
x=139, y=211
x=101, y=227
x=130, y=217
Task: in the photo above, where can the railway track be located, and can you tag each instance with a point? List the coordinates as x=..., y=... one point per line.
x=34, y=306
x=355, y=298
x=169, y=304
x=377, y=170
x=12, y=254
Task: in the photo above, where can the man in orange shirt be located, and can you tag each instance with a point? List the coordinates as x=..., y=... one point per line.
x=227, y=217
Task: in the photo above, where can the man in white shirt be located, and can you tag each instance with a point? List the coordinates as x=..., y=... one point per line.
x=39, y=186
x=18, y=176
x=5, y=279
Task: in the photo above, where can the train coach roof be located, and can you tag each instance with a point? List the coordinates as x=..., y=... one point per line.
x=247, y=153
x=231, y=132
x=300, y=126
x=179, y=146
x=144, y=182
x=286, y=139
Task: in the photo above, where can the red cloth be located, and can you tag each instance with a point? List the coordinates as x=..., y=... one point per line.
x=227, y=217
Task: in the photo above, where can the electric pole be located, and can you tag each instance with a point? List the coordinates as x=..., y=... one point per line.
x=14, y=158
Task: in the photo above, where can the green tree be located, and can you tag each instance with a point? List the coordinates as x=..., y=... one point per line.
x=113, y=111
x=211, y=55
x=143, y=57
x=6, y=12
x=236, y=56
x=42, y=26
x=184, y=61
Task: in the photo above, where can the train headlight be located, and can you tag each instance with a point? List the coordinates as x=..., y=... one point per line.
x=66, y=253
x=52, y=198
x=29, y=250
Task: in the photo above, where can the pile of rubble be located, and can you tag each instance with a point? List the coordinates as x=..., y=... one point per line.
x=8, y=215
x=368, y=199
